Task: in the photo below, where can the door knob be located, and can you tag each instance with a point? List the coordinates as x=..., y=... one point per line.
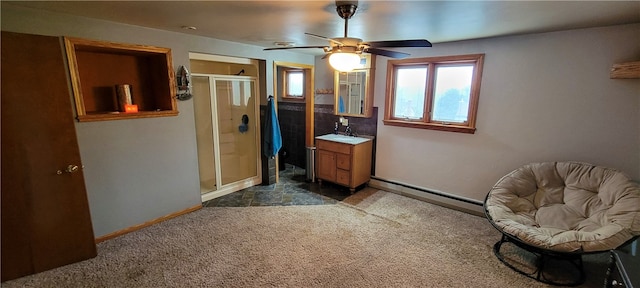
x=69, y=169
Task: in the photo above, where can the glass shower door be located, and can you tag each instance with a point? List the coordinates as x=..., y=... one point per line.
x=236, y=116
x=227, y=132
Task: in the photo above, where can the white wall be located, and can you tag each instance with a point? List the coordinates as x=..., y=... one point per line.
x=323, y=80
x=141, y=169
x=544, y=97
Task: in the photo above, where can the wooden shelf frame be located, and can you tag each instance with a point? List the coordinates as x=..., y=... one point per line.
x=95, y=68
x=627, y=70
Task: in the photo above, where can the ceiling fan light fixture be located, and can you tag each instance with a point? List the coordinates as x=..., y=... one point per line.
x=344, y=62
x=343, y=52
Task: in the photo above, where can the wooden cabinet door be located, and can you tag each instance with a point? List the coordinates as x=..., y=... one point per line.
x=45, y=213
x=326, y=162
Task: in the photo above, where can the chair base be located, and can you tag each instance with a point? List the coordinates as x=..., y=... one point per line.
x=542, y=258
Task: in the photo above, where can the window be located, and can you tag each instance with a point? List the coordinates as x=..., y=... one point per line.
x=439, y=93
x=293, y=83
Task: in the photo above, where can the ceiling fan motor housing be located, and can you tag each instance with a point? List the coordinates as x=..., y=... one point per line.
x=346, y=44
x=346, y=9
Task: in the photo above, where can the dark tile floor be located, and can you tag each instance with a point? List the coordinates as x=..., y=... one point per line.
x=292, y=189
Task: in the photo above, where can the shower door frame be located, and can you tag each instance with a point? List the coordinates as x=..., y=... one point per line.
x=221, y=190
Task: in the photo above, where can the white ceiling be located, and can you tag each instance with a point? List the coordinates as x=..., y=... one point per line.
x=262, y=23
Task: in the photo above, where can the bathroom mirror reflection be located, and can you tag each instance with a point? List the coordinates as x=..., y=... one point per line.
x=352, y=93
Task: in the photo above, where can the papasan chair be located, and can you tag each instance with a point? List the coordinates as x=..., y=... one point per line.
x=562, y=210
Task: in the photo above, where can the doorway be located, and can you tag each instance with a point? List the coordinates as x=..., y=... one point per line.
x=227, y=131
x=297, y=136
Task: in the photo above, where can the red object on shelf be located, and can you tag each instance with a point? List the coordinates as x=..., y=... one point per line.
x=130, y=108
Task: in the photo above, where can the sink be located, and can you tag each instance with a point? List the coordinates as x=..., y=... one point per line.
x=343, y=138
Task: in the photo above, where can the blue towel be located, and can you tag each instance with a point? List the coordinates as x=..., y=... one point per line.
x=272, y=138
x=340, y=105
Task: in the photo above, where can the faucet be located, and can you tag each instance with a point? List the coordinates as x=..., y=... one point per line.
x=347, y=131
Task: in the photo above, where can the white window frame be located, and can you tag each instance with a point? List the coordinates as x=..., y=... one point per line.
x=285, y=77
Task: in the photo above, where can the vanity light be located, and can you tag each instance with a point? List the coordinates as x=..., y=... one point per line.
x=344, y=62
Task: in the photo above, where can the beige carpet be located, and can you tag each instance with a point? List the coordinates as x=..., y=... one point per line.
x=373, y=239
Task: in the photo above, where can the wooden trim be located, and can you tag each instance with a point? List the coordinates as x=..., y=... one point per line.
x=309, y=98
x=371, y=78
x=119, y=116
x=431, y=64
x=427, y=112
x=99, y=45
x=73, y=73
x=389, y=96
x=146, y=224
x=169, y=106
x=436, y=60
x=430, y=126
x=475, y=91
x=628, y=70
x=310, y=104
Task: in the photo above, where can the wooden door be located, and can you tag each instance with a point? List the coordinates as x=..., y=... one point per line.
x=45, y=213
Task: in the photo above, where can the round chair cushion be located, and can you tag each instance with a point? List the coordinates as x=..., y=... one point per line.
x=566, y=206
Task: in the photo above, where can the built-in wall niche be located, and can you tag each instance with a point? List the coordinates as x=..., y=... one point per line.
x=98, y=67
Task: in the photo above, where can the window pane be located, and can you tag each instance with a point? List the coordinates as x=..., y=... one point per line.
x=294, y=84
x=410, y=92
x=452, y=92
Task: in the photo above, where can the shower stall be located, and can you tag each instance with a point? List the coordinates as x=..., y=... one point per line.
x=227, y=132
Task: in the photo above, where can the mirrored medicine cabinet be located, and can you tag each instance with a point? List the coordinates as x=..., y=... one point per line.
x=353, y=91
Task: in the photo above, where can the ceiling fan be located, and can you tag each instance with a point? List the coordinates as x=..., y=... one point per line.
x=345, y=51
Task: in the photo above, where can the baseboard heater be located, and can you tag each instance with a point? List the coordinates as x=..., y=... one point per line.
x=463, y=204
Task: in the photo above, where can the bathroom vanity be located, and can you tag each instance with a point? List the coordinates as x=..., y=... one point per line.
x=344, y=160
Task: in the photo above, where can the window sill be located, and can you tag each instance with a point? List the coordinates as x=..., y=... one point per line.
x=431, y=126
x=293, y=99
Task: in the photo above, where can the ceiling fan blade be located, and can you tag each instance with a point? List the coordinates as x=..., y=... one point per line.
x=388, y=53
x=324, y=38
x=399, y=43
x=293, y=47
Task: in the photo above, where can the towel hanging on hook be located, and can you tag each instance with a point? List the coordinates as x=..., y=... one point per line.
x=272, y=137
